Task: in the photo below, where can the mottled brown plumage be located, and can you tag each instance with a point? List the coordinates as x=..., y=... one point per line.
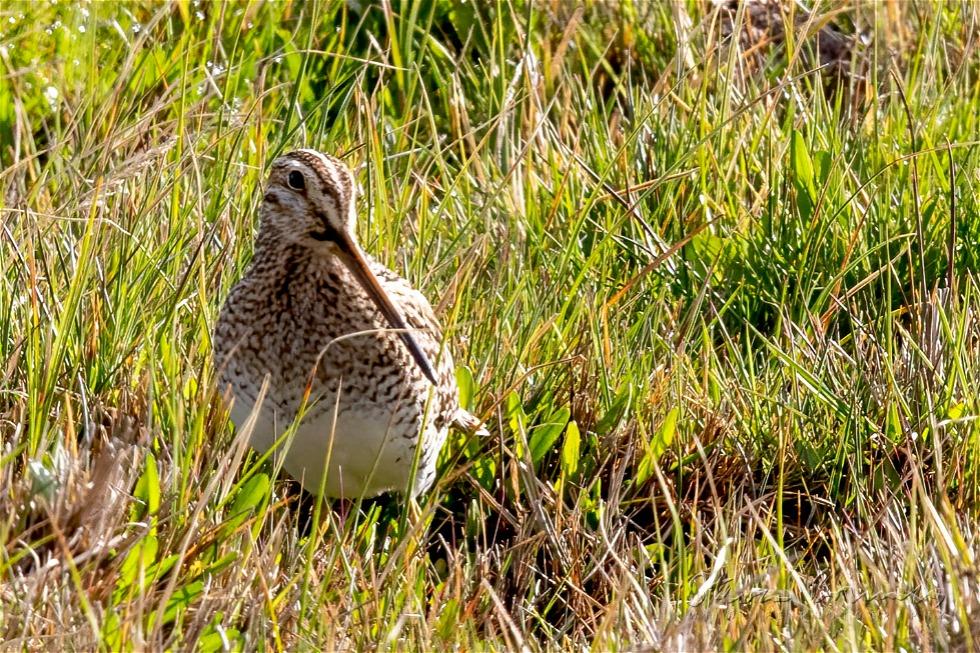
x=314, y=311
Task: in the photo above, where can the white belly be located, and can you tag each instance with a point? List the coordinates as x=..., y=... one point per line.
x=356, y=452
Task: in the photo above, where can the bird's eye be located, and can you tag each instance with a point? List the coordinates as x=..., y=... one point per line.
x=296, y=180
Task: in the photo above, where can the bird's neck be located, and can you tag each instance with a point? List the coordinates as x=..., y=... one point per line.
x=277, y=258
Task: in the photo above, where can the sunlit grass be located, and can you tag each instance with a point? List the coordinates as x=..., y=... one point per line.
x=716, y=304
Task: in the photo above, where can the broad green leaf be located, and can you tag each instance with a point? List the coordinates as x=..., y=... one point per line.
x=293, y=59
x=543, y=436
x=517, y=419
x=802, y=164
x=448, y=621
x=802, y=176
x=822, y=162
x=249, y=499
x=147, y=490
x=137, y=562
x=166, y=564
x=484, y=470
x=665, y=436
x=515, y=412
x=707, y=246
x=570, y=449
x=182, y=599
x=464, y=381
x=956, y=410
x=111, y=631
x=222, y=563
x=212, y=640
x=190, y=388
x=893, y=425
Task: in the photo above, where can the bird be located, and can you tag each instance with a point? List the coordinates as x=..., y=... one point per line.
x=328, y=356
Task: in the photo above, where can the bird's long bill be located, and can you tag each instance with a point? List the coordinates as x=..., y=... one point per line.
x=359, y=268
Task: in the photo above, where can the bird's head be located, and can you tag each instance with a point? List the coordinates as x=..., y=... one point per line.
x=309, y=201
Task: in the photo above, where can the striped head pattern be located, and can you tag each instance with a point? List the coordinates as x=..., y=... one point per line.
x=309, y=199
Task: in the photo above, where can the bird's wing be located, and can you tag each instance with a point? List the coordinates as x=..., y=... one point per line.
x=419, y=315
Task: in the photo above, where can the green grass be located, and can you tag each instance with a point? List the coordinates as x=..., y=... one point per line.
x=718, y=310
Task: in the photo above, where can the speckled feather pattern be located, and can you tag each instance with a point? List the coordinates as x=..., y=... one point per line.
x=302, y=319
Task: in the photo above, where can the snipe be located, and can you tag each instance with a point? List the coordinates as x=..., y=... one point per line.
x=315, y=312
